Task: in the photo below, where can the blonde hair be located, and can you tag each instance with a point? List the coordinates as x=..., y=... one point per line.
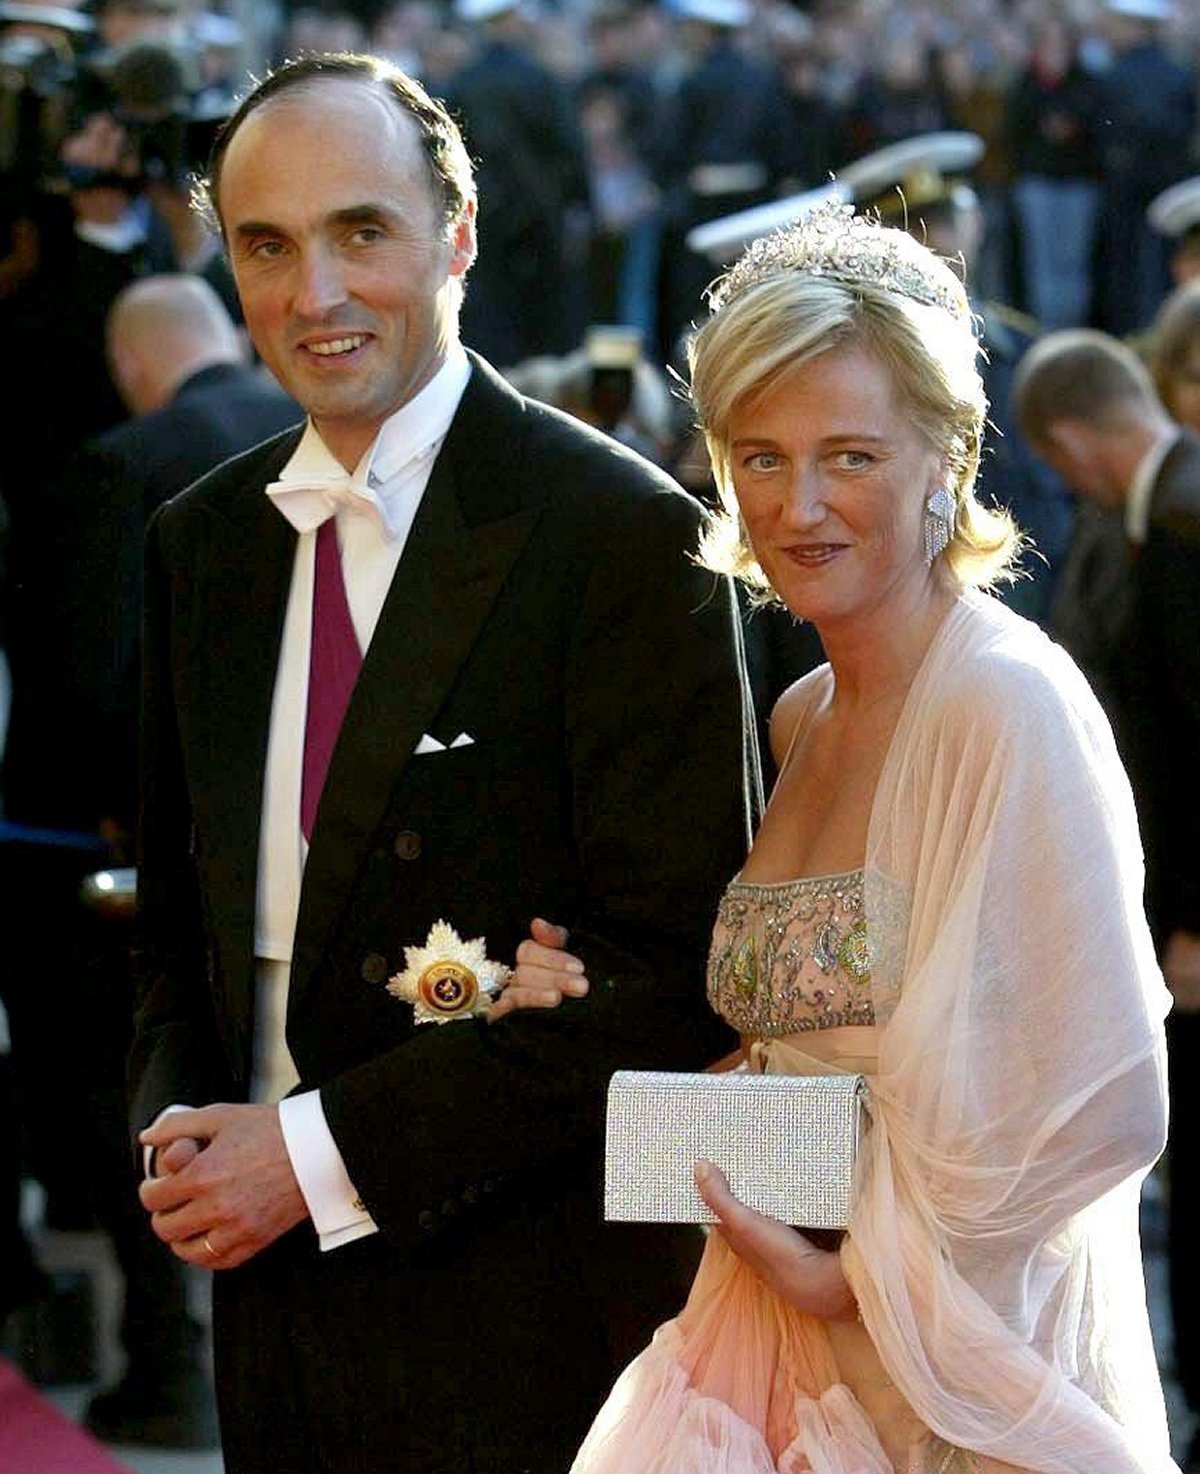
x=782, y=315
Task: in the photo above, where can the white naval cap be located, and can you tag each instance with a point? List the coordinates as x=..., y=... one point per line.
x=722, y=240
x=729, y=13
x=61, y=17
x=212, y=28
x=916, y=171
x=479, y=10
x=1141, y=9
x=1177, y=209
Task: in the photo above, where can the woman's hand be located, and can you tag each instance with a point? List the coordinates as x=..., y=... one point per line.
x=809, y=1278
x=545, y=973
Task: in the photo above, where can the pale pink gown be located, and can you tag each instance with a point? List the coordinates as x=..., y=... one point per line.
x=741, y=1382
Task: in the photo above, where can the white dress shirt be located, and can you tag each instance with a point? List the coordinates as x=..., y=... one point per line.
x=373, y=525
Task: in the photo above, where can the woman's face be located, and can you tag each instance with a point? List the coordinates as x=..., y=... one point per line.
x=1182, y=390
x=832, y=476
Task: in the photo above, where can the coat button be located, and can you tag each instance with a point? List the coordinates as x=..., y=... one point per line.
x=407, y=844
x=374, y=968
x=426, y=1219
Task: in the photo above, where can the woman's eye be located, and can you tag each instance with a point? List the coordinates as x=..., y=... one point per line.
x=761, y=460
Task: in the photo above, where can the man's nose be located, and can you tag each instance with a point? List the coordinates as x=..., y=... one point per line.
x=321, y=284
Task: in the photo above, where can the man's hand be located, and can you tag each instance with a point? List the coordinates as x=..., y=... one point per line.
x=545, y=973
x=226, y=1188
x=1181, y=968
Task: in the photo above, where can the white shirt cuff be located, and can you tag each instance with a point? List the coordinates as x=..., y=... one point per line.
x=337, y=1211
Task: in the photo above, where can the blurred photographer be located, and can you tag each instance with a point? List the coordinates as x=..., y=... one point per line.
x=38, y=45
x=609, y=384
x=143, y=128
x=100, y=132
x=100, y=128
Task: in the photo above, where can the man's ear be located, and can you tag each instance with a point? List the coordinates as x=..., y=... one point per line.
x=462, y=241
x=125, y=370
x=1071, y=438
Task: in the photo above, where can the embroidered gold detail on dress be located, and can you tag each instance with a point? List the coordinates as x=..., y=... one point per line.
x=792, y=957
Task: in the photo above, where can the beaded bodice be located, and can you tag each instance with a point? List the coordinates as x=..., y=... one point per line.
x=792, y=956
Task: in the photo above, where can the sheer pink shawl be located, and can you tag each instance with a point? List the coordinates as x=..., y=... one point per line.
x=1021, y=1094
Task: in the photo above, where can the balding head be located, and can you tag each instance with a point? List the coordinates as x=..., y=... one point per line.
x=1081, y=375
x=161, y=331
x=1086, y=404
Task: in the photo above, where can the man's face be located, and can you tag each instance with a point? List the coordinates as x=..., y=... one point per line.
x=1075, y=451
x=344, y=265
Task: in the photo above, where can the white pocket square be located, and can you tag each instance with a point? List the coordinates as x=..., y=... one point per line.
x=431, y=744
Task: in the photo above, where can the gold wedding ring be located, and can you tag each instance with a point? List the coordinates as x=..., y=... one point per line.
x=209, y=1247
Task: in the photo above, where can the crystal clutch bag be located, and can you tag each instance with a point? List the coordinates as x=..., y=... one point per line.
x=786, y=1143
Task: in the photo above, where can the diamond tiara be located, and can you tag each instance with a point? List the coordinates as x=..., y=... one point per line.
x=832, y=241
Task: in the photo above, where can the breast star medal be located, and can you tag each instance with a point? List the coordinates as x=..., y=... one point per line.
x=447, y=978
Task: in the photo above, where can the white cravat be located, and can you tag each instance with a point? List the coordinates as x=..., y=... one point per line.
x=308, y=498
x=1141, y=489
x=375, y=509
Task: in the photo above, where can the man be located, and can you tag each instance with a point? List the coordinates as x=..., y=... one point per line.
x=546, y=722
x=178, y=363
x=1088, y=406
x=724, y=143
x=1175, y=215
x=523, y=132
x=1149, y=113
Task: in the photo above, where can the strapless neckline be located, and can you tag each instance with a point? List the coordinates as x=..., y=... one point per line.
x=799, y=881
x=791, y=956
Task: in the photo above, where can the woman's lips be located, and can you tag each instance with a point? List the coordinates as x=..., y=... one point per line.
x=812, y=555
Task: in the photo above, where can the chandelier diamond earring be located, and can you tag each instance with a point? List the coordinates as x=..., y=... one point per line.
x=939, y=522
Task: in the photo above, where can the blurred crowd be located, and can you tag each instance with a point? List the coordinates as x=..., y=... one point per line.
x=605, y=133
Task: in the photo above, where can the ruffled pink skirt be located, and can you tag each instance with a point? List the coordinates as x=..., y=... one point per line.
x=738, y=1383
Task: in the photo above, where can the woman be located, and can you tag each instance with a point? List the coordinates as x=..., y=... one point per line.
x=1175, y=355
x=945, y=894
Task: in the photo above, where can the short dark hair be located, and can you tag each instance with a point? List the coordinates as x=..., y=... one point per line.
x=1078, y=374
x=450, y=171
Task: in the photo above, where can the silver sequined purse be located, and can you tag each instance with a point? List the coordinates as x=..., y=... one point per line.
x=786, y=1143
